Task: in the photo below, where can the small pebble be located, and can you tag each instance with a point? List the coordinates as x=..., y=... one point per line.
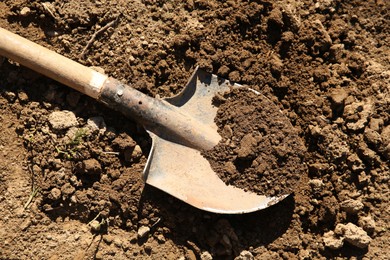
x=161, y=239
x=137, y=153
x=10, y=96
x=338, y=96
x=114, y=173
x=61, y=120
x=108, y=239
x=133, y=239
x=25, y=11
x=148, y=249
x=331, y=241
x=126, y=245
x=143, y=231
x=316, y=184
x=206, y=256
x=95, y=225
x=67, y=189
x=304, y=254
x=367, y=223
x=90, y=166
x=245, y=255
x=354, y=235
x=23, y=98
x=351, y=206
x=55, y=194
x=131, y=59
x=97, y=124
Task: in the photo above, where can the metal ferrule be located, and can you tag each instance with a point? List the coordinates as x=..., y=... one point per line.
x=158, y=116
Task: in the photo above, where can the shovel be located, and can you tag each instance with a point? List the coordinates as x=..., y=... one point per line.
x=180, y=126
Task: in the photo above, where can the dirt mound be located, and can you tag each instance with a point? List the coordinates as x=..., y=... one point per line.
x=260, y=150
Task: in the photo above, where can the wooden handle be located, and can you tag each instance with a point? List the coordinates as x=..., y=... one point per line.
x=158, y=116
x=51, y=64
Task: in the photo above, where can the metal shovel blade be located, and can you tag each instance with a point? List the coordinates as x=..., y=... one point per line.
x=183, y=172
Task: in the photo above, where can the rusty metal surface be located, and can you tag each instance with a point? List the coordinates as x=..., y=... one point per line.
x=183, y=172
x=167, y=121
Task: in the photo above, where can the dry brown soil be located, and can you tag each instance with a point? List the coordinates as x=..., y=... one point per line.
x=260, y=150
x=77, y=192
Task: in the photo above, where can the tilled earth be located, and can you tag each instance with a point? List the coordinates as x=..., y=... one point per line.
x=71, y=170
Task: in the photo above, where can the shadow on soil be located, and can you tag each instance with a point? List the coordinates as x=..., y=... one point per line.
x=222, y=235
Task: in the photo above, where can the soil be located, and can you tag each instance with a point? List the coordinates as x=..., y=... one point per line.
x=260, y=150
x=74, y=189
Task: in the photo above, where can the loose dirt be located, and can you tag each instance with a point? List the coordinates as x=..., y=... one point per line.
x=260, y=150
x=73, y=189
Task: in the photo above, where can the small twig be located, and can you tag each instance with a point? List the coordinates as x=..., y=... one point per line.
x=93, y=38
x=94, y=219
x=155, y=223
x=32, y=196
x=113, y=153
x=48, y=8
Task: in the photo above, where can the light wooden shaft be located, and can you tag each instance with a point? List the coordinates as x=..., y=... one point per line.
x=51, y=64
x=158, y=116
